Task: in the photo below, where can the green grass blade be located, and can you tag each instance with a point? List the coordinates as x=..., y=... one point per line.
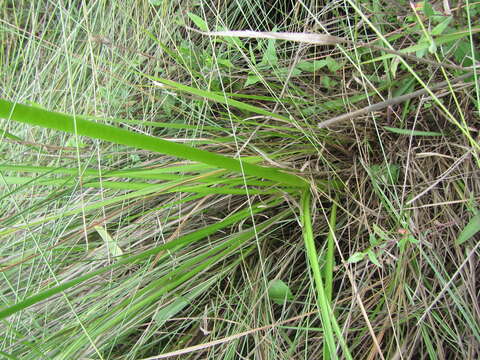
x=80, y=126
x=328, y=319
x=219, y=98
x=412, y=132
x=329, y=258
x=178, y=276
x=175, y=244
x=329, y=262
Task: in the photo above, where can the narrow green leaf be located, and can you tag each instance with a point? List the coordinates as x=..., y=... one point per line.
x=220, y=98
x=412, y=132
x=329, y=257
x=4, y=133
x=164, y=125
x=80, y=126
x=8, y=356
x=332, y=64
x=469, y=230
x=443, y=39
x=179, y=304
x=330, y=262
x=172, y=245
x=174, y=278
x=327, y=317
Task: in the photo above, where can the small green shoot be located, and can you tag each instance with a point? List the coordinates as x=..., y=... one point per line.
x=279, y=292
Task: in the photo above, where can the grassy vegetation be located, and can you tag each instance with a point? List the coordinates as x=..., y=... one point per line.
x=170, y=187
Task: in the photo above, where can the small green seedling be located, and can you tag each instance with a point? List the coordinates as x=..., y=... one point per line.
x=279, y=292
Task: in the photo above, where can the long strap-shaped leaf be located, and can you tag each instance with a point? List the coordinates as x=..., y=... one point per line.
x=327, y=317
x=77, y=125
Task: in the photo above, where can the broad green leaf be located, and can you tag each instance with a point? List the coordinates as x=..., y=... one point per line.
x=328, y=82
x=251, y=80
x=463, y=53
x=380, y=233
x=424, y=46
x=283, y=72
x=373, y=240
x=75, y=142
x=332, y=64
x=373, y=257
x=311, y=66
x=111, y=244
x=198, y=21
x=412, y=132
x=279, y=292
x=231, y=40
x=469, y=230
x=225, y=63
x=356, y=257
x=440, y=28
x=428, y=9
x=412, y=239
x=387, y=174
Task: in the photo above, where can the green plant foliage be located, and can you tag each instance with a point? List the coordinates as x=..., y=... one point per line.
x=469, y=231
x=356, y=257
x=279, y=292
x=386, y=174
x=152, y=226
x=412, y=132
x=198, y=21
x=80, y=126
